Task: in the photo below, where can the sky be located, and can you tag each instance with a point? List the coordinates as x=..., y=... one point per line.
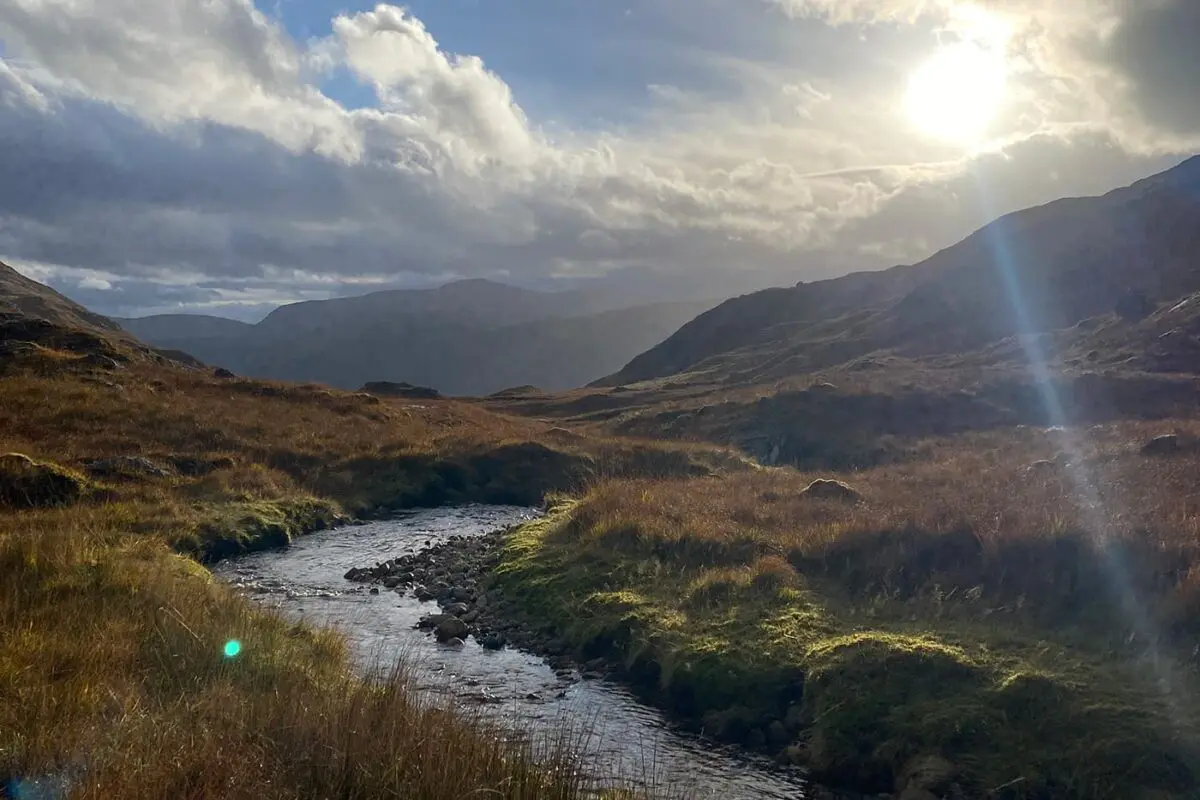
x=227, y=156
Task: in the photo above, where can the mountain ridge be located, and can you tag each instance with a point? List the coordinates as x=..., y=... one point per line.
x=1034, y=270
x=467, y=337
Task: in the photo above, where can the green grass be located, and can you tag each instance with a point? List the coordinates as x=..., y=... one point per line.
x=737, y=640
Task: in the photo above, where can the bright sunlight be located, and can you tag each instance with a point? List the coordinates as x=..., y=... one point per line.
x=957, y=93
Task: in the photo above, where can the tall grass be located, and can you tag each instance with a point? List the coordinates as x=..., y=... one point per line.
x=113, y=679
x=965, y=607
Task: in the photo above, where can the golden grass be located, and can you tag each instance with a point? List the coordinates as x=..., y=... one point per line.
x=111, y=670
x=113, y=681
x=1000, y=601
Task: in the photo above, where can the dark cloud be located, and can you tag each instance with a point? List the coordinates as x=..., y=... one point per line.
x=1158, y=47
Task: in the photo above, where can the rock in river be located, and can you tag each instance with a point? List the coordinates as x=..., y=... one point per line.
x=451, y=628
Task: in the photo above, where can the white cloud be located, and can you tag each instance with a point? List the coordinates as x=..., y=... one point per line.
x=190, y=137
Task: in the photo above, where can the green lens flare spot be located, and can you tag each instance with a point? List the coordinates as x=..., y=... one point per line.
x=232, y=648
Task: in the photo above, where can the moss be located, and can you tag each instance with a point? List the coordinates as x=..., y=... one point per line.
x=25, y=483
x=240, y=527
x=735, y=647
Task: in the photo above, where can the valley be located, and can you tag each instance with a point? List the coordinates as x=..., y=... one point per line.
x=929, y=533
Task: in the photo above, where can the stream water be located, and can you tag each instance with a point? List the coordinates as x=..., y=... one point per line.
x=625, y=737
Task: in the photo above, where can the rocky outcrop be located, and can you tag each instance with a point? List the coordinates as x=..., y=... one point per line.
x=824, y=489
x=25, y=483
x=405, y=390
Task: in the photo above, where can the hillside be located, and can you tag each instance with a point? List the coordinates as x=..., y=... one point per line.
x=1036, y=270
x=470, y=337
x=20, y=295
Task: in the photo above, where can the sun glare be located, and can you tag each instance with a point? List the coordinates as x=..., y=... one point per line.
x=957, y=93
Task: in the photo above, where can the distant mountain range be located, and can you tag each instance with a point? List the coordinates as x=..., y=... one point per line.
x=470, y=337
x=1037, y=270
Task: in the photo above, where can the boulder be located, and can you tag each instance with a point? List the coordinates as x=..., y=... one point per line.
x=431, y=621
x=825, y=489
x=456, y=609
x=221, y=372
x=451, y=628
x=101, y=361
x=125, y=465
x=452, y=642
x=25, y=483
x=197, y=466
x=1162, y=445
x=493, y=641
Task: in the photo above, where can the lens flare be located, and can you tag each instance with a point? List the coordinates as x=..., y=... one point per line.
x=232, y=648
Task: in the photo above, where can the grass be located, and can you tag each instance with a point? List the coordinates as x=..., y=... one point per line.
x=261, y=462
x=113, y=683
x=1020, y=603
x=972, y=607
x=112, y=678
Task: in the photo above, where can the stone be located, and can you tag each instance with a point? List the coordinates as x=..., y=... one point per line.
x=462, y=594
x=125, y=465
x=493, y=641
x=374, y=590
x=431, y=621
x=101, y=361
x=391, y=582
x=451, y=628
x=1162, y=445
x=424, y=595
x=452, y=642
x=826, y=489
x=221, y=372
x=777, y=734
x=929, y=773
x=457, y=609
x=470, y=616
x=25, y=483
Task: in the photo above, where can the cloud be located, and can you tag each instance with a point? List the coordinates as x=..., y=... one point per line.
x=154, y=145
x=1154, y=46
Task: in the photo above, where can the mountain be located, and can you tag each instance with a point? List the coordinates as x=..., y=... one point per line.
x=182, y=326
x=1036, y=270
x=21, y=296
x=469, y=337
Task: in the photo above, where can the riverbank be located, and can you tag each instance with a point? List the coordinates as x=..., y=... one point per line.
x=883, y=632
x=127, y=672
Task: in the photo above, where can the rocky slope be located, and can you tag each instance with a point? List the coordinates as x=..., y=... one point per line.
x=21, y=296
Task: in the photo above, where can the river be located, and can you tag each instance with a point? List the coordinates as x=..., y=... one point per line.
x=625, y=737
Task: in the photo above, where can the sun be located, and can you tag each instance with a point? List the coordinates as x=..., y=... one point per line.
x=956, y=95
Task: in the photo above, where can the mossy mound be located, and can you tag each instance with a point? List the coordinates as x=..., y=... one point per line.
x=25, y=483
x=235, y=528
